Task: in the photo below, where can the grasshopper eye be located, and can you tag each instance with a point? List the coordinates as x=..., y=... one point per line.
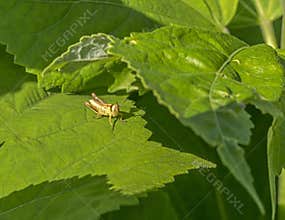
x=115, y=108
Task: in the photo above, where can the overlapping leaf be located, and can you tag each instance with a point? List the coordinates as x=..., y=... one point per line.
x=199, y=76
x=86, y=198
x=37, y=38
x=218, y=71
x=214, y=190
x=51, y=137
x=219, y=12
x=13, y=80
x=51, y=35
x=86, y=66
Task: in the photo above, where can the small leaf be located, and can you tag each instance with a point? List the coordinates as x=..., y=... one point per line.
x=199, y=75
x=86, y=66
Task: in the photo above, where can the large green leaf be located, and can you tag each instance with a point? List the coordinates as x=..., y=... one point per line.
x=85, y=66
x=86, y=198
x=32, y=124
x=75, y=198
x=276, y=152
x=199, y=75
x=49, y=27
x=51, y=137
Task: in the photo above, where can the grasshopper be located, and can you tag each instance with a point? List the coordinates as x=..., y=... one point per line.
x=103, y=109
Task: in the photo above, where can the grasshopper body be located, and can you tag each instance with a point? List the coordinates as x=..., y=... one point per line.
x=103, y=109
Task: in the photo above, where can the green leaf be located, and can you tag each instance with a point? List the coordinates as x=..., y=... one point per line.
x=272, y=108
x=49, y=27
x=86, y=66
x=221, y=11
x=216, y=58
x=276, y=152
x=213, y=190
x=87, y=146
x=64, y=23
x=50, y=137
x=250, y=12
x=228, y=10
x=193, y=13
x=169, y=131
x=56, y=137
x=259, y=67
x=14, y=80
x=211, y=71
x=186, y=13
x=85, y=198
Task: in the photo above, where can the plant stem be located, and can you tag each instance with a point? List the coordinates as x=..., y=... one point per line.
x=266, y=26
x=221, y=206
x=282, y=43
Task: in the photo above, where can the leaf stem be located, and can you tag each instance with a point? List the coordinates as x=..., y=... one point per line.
x=266, y=26
x=281, y=199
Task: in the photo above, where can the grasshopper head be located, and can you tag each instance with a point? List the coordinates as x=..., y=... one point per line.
x=115, y=109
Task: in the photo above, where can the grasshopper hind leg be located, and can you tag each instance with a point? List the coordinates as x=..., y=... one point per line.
x=90, y=107
x=95, y=97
